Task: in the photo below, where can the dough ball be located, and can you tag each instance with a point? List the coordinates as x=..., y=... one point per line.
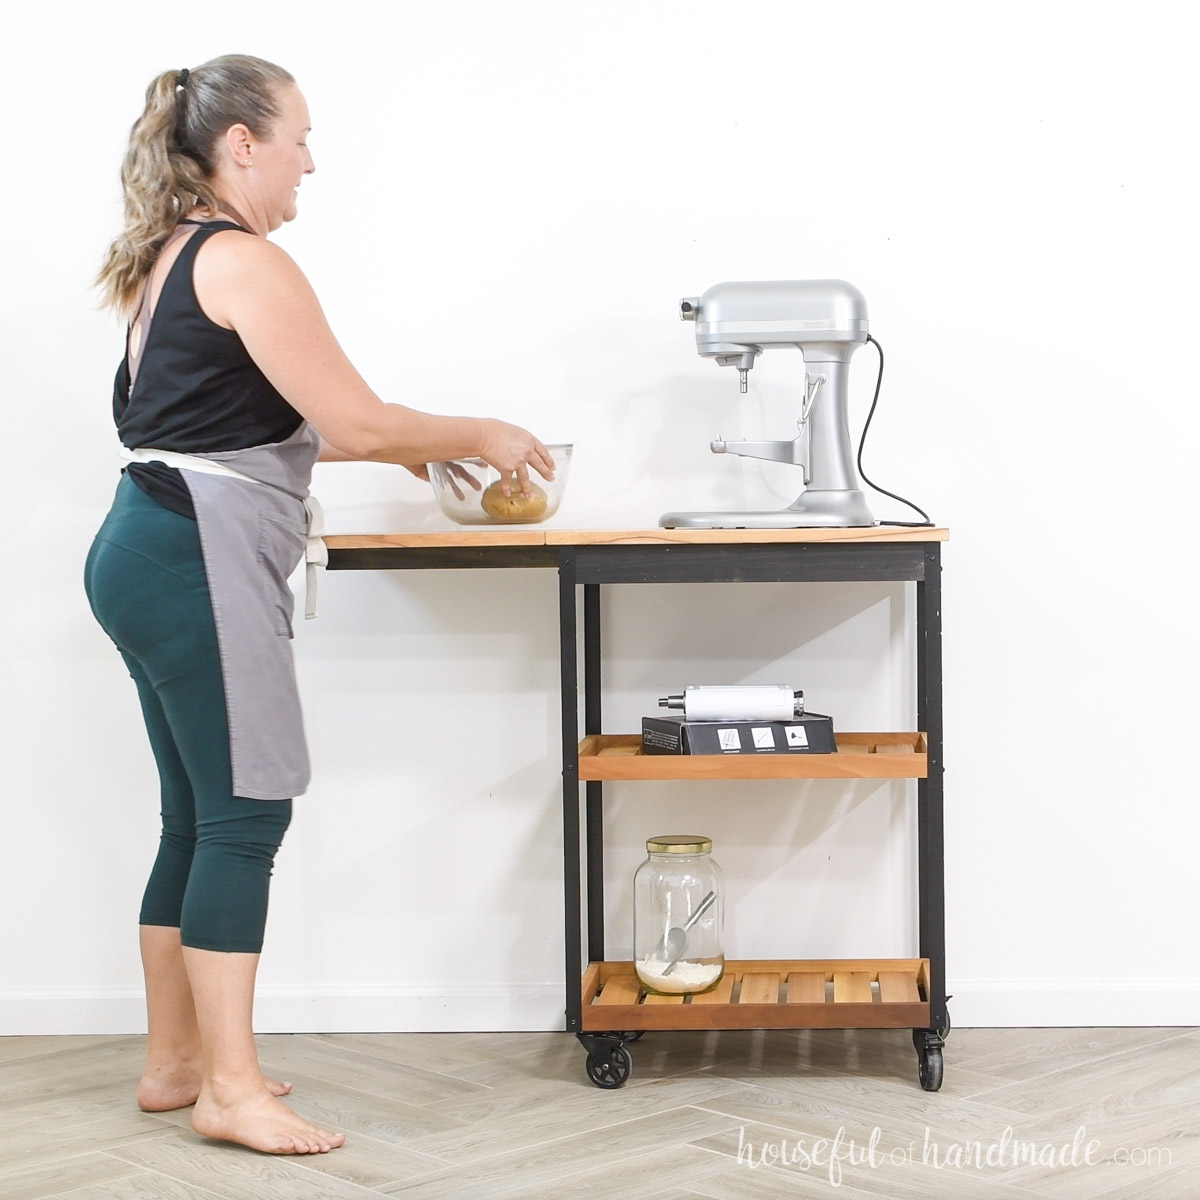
x=517, y=507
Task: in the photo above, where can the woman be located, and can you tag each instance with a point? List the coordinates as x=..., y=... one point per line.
x=230, y=371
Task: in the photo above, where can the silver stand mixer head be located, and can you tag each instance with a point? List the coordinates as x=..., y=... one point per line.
x=827, y=320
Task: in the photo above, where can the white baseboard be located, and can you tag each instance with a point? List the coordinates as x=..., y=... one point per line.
x=999, y=1003
x=516, y=1008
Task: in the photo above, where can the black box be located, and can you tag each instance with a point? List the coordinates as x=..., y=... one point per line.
x=673, y=734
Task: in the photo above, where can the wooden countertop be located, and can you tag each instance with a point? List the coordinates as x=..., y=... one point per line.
x=524, y=535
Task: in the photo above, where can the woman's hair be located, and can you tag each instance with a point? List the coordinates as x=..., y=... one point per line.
x=170, y=163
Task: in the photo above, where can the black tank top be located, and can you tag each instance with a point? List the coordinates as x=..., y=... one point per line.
x=197, y=389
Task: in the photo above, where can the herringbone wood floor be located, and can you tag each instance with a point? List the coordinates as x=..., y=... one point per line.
x=432, y=1116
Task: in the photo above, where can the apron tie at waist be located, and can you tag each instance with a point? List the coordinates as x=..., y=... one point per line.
x=316, y=553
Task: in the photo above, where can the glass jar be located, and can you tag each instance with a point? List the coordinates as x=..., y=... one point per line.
x=678, y=916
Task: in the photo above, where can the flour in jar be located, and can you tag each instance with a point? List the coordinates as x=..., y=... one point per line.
x=684, y=976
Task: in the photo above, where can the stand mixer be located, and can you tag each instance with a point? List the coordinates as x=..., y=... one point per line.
x=826, y=319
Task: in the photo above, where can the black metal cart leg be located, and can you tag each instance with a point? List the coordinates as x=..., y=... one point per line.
x=569, y=668
x=593, y=834
x=930, y=821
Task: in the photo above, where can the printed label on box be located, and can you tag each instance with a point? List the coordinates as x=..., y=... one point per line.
x=797, y=735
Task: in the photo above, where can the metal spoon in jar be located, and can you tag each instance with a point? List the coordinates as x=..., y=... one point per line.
x=673, y=945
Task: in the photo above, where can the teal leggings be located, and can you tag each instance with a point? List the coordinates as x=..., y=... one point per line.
x=146, y=584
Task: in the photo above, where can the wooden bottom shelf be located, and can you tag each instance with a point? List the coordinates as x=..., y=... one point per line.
x=879, y=993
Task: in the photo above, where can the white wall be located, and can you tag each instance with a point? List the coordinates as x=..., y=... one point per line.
x=509, y=201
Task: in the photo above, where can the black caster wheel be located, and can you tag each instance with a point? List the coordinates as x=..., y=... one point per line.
x=942, y=1031
x=635, y=1036
x=611, y=1069
x=929, y=1068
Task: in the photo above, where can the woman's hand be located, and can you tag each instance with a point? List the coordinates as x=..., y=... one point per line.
x=456, y=471
x=512, y=451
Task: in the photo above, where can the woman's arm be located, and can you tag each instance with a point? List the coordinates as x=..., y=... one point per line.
x=252, y=286
x=329, y=453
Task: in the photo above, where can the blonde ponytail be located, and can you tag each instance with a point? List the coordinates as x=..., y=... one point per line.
x=170, y=165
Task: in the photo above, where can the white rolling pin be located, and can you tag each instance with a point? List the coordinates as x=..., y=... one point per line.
x=746, y=702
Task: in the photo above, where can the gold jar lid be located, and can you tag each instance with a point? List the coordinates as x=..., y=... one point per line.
x=679, y=843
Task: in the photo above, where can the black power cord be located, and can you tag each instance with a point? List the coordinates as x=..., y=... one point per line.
x=862, y=441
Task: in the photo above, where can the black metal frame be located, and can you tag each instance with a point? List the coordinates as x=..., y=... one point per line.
x=590, y=567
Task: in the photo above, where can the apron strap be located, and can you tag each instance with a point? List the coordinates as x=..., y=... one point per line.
x=181, y=461
x=316, y=554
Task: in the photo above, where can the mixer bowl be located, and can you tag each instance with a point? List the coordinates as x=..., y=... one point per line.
x=459, y=487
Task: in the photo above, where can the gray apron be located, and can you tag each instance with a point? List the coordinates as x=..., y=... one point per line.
x=256, y=520
x=255, y=527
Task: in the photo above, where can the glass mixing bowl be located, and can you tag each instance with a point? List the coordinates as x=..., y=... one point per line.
x=468, y=491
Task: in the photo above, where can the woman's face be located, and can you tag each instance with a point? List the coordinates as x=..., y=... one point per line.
x=282, y=162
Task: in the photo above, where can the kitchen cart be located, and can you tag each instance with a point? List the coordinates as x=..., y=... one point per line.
x=606, y=1008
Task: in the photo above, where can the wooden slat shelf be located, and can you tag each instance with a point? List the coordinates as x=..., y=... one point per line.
x=859, y=756
x=881, y=993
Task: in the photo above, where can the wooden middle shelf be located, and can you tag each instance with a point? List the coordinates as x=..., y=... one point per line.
x=859, y=756
x=880, y=993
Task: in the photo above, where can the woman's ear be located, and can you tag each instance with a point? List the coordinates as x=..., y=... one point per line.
x=238, y=142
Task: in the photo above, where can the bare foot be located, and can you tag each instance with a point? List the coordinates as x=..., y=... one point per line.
x=260, y=1121
x=178, y=1085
